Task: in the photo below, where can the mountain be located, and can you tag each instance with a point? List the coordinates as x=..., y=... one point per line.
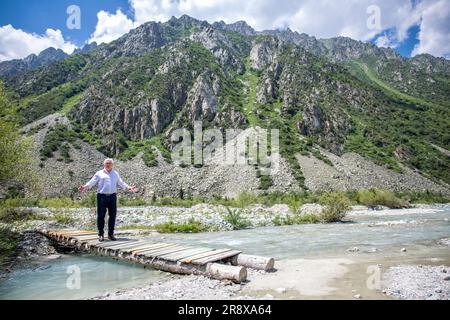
x=86, y=48
x=329, y=98
x=31, y=62
x=48, y=56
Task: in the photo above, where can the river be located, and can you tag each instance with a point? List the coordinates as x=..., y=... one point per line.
x=379, y=236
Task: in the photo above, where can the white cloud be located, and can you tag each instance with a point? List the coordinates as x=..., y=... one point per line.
x=434, y=32
x=320, y=18
x=111, y=26
x=385, y=41
x=17, y=44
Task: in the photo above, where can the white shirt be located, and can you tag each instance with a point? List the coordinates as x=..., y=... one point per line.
x=107, y=182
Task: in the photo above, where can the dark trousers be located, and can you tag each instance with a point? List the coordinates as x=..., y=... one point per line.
x=104, y=202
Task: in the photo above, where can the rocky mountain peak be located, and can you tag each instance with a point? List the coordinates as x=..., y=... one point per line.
x=239, y=26
x=86, y=48
x=14, y=67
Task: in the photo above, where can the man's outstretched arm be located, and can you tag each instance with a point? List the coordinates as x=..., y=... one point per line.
x=90, y=184
x=125, y=187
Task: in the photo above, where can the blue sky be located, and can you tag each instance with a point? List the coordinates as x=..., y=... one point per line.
x=409, y=26
x=406, y=47
x=37, y=16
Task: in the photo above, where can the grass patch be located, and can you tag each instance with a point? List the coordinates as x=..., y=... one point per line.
x=192, y=226
x=426, y=197
x=295, y=219
x=18, y=202
x=132, y=202
x=59, y=203
x=63, y=218
x=394, y=93
x=251, y=79
x=376, y=197
x=70, y=103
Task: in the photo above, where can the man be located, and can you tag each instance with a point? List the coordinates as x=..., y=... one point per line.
x=107, y=181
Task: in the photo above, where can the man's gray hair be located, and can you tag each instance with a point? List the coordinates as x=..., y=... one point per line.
x=108, y=160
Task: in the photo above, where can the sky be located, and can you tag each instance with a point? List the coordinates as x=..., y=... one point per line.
x=410, y=27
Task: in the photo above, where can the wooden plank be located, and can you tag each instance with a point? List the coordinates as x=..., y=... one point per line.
x=125, y=245
x=92, y=243
x=164, y=255
x=216, y=257
x=145, y=246
x=56, y=232
x=156, y=250
x=77, y=235
x=74, y=233
x=111, y=244
x=84, y=239
x=83, y=236
x=108, y=244
x=162, y=252
x=185, y=254
x=203, y=255
x=152, y=248
x=158, y=247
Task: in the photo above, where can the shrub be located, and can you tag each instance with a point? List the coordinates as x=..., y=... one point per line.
x=63, y=218
x=278, y=221
x=192, y=226
x=234, y=217
x=245, y=199
x=308, y=219
x=8, y=244
x=425, y=197
x=376, y=197
x=14, y=214
x=150, y=158
x=89, y=201
x=18, y=202
x=336, y=205
x=58, y=138
x=265, y=181
x=58, y=203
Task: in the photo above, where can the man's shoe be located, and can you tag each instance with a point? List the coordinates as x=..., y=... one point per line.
x=112, y=238
x=101, y=238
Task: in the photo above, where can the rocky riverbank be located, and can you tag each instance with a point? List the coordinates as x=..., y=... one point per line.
x=215, y=217
x=418, y=282
x=178, y=287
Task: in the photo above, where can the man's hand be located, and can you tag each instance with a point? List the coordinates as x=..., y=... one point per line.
x=133, y=189
x=82, y=188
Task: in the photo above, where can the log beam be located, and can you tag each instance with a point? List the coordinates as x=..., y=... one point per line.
x=253, y=262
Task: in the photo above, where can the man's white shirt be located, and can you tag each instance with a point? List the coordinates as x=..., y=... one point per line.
x=107, y=182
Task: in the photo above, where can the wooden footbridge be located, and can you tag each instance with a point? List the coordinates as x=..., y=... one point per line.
x=171, y=257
